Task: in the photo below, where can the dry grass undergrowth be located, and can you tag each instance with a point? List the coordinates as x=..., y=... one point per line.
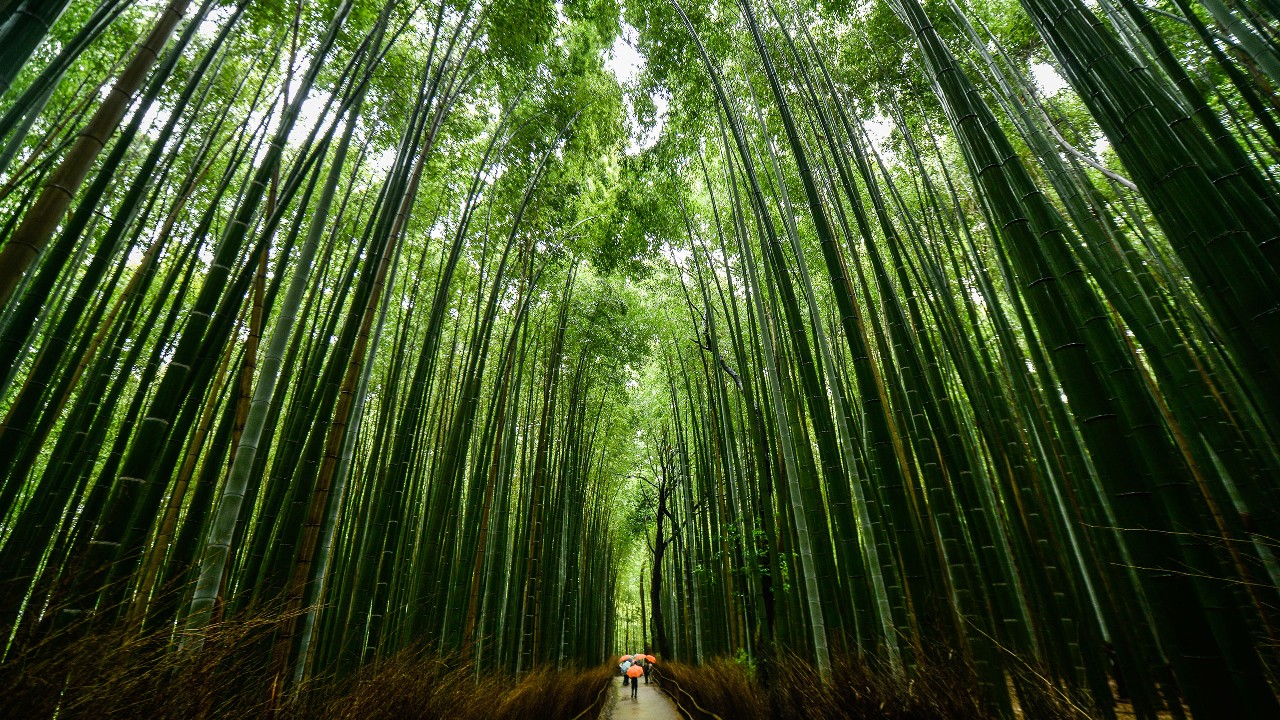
x=936, y=691
x=413, y=685
x=115, y=674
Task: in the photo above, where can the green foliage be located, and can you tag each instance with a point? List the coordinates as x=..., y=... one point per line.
x=641, y=218
x=518, y=33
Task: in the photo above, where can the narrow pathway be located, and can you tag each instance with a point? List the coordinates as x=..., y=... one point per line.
x=650, y=704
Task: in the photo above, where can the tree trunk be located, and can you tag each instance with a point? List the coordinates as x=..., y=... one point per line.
x=26, y=243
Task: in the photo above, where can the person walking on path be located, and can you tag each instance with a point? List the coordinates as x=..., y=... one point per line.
x=626, y=665
x=651, y=704
x=634, y=672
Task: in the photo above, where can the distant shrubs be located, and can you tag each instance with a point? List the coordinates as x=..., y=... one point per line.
x=110, y=675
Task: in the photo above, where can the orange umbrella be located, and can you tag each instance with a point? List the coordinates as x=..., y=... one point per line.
x=624, y=658
x=651, y=658
x=635, y=671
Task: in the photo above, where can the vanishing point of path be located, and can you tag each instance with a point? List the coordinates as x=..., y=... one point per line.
x=650, y=704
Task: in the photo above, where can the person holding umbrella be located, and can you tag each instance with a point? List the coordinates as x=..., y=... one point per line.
x=623, y=667
x=634, y=672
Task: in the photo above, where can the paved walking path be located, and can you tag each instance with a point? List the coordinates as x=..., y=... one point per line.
x=650, y=704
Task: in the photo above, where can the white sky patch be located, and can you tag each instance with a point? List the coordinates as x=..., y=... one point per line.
x=309, y=115
x=157, y=115
x=626, y=63
x=678, y=255
x=878, y=129
x=623, y=59
x=210, y=26
x=1047, y=79
x=384, y=160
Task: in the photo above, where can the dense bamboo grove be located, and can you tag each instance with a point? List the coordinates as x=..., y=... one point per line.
x=312, y=337
x=873, y=332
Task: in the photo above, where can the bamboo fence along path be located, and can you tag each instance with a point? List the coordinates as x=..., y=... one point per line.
x=650, y=704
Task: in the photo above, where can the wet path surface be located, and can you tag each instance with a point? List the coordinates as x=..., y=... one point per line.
x=650, y=704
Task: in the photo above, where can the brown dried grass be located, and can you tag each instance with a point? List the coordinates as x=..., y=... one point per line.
x=943, y=687
x=413, y=684
x=116, y=674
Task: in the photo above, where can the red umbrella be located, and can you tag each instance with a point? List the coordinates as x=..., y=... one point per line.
x=635, y=671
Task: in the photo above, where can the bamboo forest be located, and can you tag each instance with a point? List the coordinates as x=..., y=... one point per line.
x=847, y=358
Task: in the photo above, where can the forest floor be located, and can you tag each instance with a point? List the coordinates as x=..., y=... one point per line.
x=650, y=704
